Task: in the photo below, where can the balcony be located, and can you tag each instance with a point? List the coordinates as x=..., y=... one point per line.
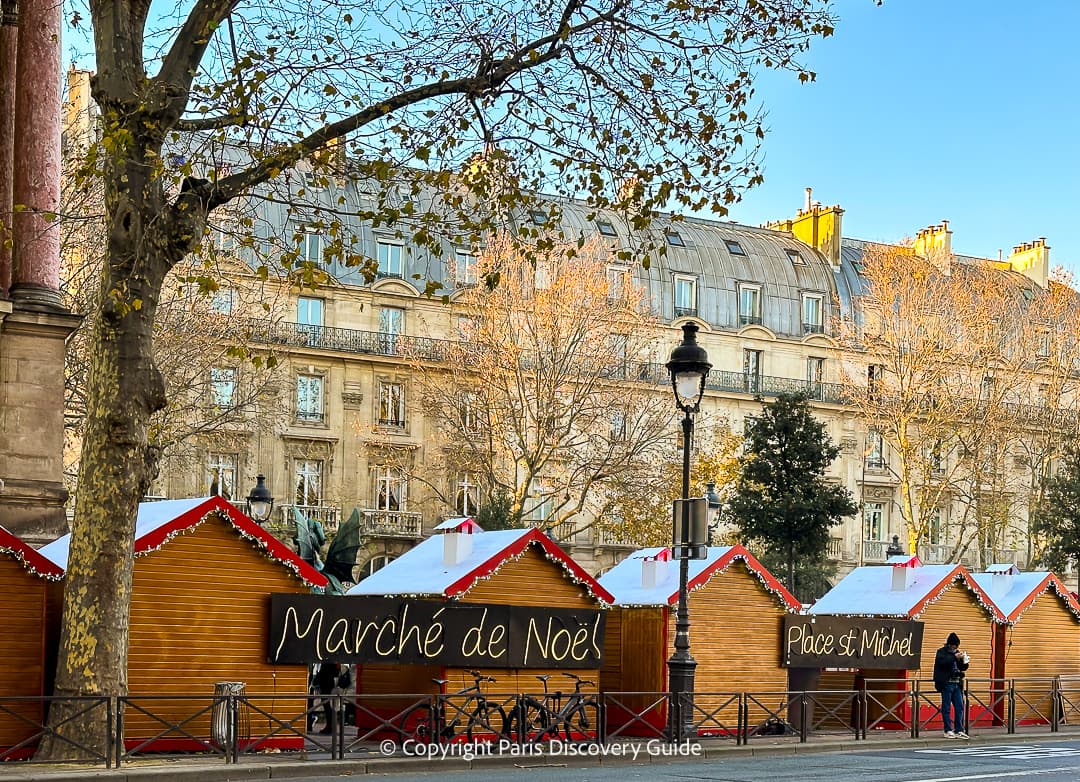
x=686, y=312
x=749, y=320
x=328, y=516
x=813, y=328
x=391, y=524
x=615, y=539
x=835, y=550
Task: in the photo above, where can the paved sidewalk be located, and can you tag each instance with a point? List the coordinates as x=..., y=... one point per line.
x=193, y=769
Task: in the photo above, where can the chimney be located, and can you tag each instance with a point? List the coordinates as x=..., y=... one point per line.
x=1001, y=579
x=816, y=225
x=1032, y=259
x=457, y=534
x=903, y=565
x=654, y=569
x=935, y=244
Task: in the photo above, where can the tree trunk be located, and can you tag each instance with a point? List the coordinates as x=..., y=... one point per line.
x=124, y=388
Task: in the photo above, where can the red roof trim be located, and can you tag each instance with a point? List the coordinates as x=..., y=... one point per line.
x=466, y=582
x=959, y=572
x=738, y=551
x=1044, y=585
x=28, y=557
x=242, y=523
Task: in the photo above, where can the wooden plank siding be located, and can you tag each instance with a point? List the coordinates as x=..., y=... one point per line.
x=1044, y=642
x=199, y=615
x=735, y=636
x=530, y=580
x=22, y=648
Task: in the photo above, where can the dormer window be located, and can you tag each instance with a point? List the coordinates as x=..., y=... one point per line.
x=538, y=217
x=795, y=257
x=675, y=240
x=606, y=228
x=734, y=247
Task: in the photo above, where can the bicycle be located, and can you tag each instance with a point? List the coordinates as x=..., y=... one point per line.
x=428, y=724
x=556, y=719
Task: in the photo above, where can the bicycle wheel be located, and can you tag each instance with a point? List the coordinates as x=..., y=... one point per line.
x=582, y=723
x=540, y=722
x=415, y=724
x=486, y=719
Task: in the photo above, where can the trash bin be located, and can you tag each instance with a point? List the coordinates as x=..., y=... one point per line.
x=220, y=716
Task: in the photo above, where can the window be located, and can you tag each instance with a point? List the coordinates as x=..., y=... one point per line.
x=392, y=404
x=618, y=278
x=859, y=267
x=464, y=269
x=222, y=301
x=390, y=259
x=875, y=451
x=935, y=459
x=221, y=475
x=1042, y=395
x=223, y=386
x=734, y=247
x=752, y=371
x=309, y=312
x=749, y=305
x=813, y=313
x=391, y=325
x=467, y=495
x=390, y=490
x=795, y=257
x=936, y=527
x=544, y=502
x=685, y=296
x=308, y=474
x=470, y=414
x=1042, y=343
x=815, y=375
x=606, y=228
x=618, y=425
x=376, y=564
x=986, y=388
x=538, y=217
x=874, y=374
x=617, y=347
x=874, y=521
x=310, y=247
x=675, y=240
x=309, y=397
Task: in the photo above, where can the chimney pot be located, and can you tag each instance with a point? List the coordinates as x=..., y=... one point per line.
x=809, y=192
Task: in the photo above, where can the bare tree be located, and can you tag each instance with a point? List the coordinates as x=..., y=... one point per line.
x=550, y=399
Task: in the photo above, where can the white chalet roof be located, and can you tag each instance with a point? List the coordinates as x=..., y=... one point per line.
x=867, y=591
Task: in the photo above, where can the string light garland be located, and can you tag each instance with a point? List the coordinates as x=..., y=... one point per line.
x=52, y=574
x=1052, y=582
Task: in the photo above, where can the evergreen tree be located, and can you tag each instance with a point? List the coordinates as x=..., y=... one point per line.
x=782, y=503
x=1056, y=519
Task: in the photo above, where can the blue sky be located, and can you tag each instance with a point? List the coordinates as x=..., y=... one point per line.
x=925, y=110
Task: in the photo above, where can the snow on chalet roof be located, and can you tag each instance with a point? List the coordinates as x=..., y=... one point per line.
x=159, y=522
x=867, y=591
x=1023, y=589
x=421, y=572
x=28, y=557
x=624, y=580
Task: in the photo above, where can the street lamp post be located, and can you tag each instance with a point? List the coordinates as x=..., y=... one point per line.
x=689, y=366
x=715, y=504
x=259, y=501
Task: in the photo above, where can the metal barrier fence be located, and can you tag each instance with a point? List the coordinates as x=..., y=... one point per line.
x=233, y=726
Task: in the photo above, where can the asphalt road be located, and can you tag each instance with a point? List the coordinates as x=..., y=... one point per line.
x=1038, y=761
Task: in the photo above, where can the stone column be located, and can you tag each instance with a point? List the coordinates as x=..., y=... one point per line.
x=34, y=327
x=36, y=273
x=8, y=41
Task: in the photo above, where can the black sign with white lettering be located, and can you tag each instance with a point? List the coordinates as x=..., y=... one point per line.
x=819, y=641
x=311, y=628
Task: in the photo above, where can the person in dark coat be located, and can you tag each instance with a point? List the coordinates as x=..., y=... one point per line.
x=325, y=681
x=949, y=666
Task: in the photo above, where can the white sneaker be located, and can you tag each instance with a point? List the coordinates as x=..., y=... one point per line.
x=961, y=735
x=950, y=735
